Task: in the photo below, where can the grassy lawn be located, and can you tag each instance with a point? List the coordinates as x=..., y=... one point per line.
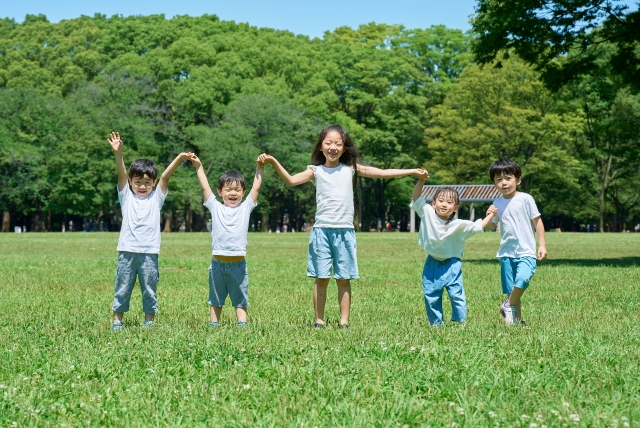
x=575, y=364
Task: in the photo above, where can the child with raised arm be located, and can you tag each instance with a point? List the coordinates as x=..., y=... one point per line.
x=229, y=229
x=139, y=241
x=443, y=237
x=518, y=217
x=332, y=244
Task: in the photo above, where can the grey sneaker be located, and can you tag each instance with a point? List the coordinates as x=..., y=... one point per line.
x=508, y=313
x=117, y=326
x=148, y=324
x=213, y=323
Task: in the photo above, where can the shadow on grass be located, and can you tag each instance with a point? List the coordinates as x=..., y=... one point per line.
x=621, y=262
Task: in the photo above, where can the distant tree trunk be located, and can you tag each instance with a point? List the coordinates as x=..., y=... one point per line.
x=168, y=219
x=48, y=224
x=188, y=217
x=265, y=222
x=6, y=221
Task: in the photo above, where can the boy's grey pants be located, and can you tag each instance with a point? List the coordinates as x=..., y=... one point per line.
x=145, y=267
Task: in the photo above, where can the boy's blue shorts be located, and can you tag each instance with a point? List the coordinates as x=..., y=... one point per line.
x=229, y=279
x=332, y=248
x=516, y=272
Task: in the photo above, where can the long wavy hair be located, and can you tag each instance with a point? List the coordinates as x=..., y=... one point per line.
x=349, y=156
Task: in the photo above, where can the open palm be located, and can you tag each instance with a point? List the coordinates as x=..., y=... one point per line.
x=115, y=141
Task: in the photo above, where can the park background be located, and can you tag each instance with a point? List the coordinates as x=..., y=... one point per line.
x=410, y=97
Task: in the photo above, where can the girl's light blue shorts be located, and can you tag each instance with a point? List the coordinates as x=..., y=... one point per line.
x=332, y=249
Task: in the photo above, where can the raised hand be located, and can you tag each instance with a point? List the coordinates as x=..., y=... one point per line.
x=195, y=160
x=265, y=159
x=422, y=174
x=115, y=141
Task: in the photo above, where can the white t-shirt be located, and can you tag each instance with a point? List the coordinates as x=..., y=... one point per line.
x=439, y=239
x=229, y=226
x=334, y=196
x=140, y=231
x=515, y=216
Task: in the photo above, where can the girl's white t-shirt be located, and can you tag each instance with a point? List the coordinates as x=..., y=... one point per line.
x=515, y=216
x=140, y=230
x=442, y=240
x=229, y=226
x=334, y=196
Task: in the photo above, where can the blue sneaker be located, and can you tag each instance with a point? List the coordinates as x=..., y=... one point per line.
x=117, y=326
x=148, y=324
x=242, y=324
x=213, y=323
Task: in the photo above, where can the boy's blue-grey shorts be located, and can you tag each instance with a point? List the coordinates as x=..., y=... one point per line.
x=332, y=248
x=229, y=278
x=516, y=272
x=145, y=268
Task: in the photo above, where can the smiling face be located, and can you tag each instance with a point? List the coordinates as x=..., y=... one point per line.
x=507, y=184
x=231, y=193
x=142, y=185
x=444, y=205
x=332, y=148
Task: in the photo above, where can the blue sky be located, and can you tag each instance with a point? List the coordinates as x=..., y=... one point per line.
x=311, y=18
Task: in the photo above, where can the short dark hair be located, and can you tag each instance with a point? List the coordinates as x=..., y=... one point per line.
x=140, y=167
x=504, y=166
x=230, y=177
x=448, y=191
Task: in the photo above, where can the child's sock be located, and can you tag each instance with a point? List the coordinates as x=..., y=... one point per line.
x=242, y=323
x=213, y=324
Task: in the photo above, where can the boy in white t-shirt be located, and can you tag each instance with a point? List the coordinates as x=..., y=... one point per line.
x=443, y=236
x=229, y=228
x=518, y=216
x=139, y=241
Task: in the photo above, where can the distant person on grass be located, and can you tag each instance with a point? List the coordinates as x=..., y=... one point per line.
x=139, y=241
x=518, y=218
x=443, y=237
x=229, y=229
x=332, y=244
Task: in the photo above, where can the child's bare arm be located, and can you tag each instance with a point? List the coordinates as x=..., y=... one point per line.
x=166, y=175
x=417, y=190
x=491, y=212
x=542, y=241
x=257, y=181
x=289, y=180
x=116, y=145
x=371, y=172
x=202, y=177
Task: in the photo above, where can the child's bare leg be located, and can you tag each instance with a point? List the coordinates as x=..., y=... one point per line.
x=214, y=313
x=344, y=299
x=117, y=316
x=514, y=300
x=320, y=298
x=241, y=314
x=149, y=317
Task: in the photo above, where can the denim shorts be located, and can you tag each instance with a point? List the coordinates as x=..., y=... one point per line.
x=332, y=248
x=229, y=279
x=516, y=272
x=145, y=268
x=436, y=277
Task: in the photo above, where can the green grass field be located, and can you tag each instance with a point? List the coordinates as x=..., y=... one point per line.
x=575, y=364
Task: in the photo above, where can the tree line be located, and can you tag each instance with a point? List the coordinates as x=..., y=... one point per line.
x=227, y=91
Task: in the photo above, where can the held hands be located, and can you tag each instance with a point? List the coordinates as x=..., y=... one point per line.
x=491, y=211
x=195, y=160
x=115, y=141
x=422, y=174
x=265, y=159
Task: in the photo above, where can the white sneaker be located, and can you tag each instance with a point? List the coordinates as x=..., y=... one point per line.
x=508, y=313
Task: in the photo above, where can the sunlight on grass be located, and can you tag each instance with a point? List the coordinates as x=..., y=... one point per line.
x=577, y=362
